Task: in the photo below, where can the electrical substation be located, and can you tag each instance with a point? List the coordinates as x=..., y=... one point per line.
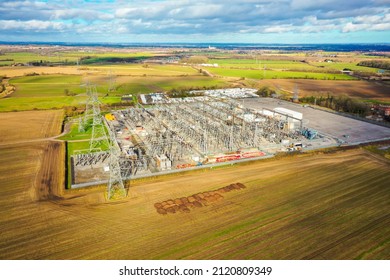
x=215, y=127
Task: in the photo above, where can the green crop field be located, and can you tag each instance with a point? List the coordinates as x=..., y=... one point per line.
x=49, y=102
x=271, y=74
x=26, y=57
x=50, y=91
x=342, y=65
x=260, y=64
x=9, y=58
x=155, y=84
x=46, y=85
x=97, y=53
x=146, y=69
x=57, y=91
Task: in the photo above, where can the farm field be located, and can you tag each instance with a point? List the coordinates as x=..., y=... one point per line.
x=10, y=58
x=147, y=69
x=341, y=65
x=46, y=85
x=359, y=89
x=44, y=103
x=116, y=69
x=320, y=206
x=273, y=74
x=253, y=63
x=33, y=98
x=29, y=125
x=31, y=171
x=20, y=71
x=59, y=90
x=152, y=69
x=342, y=214
x=291, y=64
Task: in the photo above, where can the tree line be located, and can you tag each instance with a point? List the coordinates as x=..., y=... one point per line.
x=340, y=104
x=381, y=64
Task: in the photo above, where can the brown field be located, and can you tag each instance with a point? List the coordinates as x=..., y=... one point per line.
x=313, y=206
x=130, y=69
x=359, y=89
x=325, y=206
x=23, y=70
x=29, y=125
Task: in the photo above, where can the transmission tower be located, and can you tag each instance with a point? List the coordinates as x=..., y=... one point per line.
x=98, y=139
x=111, y=81
x=295, y=97
x=115, y=188
x=231, y=137
x=88, y=113
x=204, y=143
x=100, y=142
x=81, y=125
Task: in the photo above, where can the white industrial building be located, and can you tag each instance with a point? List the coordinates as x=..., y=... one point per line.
x=288, y=112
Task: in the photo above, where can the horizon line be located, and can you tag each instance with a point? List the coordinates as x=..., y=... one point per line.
x=206, y=43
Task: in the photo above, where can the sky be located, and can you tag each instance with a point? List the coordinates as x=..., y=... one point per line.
x=197, y=21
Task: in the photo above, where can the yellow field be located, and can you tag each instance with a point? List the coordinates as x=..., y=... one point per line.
x=23, y=70
x=131, y=69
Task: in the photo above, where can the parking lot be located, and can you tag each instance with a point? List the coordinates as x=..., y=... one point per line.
x=344, y=129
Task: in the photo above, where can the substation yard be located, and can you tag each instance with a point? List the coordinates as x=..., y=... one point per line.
x=194, y=133
x=208, y=131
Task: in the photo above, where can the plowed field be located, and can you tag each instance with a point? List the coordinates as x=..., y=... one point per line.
x=323, y=206
x=315, y=207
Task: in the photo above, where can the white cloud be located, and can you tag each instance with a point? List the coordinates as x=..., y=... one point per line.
x=183, y=18
x=78, y=13
x=278, y=29
x=368, y=19
x=36, y=25
x=380, y=27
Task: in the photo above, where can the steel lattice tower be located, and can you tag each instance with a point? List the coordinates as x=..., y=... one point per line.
x=89, y=112
x=98, y=139
x=111, y=81
x=296, y=93
x=100, y=142
x=115, y=188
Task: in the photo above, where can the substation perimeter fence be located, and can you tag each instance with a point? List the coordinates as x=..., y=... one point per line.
x=210, y=166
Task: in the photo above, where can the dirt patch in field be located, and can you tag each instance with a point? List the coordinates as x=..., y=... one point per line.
x=50, y=178
x=186, y=204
